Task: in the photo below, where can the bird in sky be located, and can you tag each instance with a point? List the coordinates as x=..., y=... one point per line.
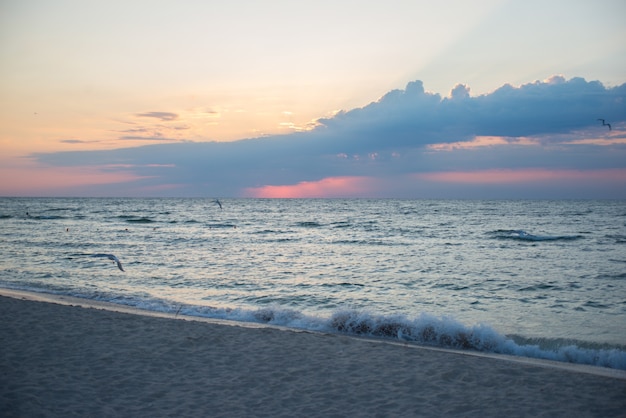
x=110, y=257
x=604, y=123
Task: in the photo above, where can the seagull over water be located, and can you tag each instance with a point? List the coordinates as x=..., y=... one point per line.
x=110, y=257
x=604, y=123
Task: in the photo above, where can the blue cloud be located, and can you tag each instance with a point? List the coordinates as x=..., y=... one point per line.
x=413, y=117
x=390, y=137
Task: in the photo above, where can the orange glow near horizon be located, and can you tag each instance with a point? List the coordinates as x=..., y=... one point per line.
x=328, y=187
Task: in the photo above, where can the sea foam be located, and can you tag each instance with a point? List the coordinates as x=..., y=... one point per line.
x=426, y=329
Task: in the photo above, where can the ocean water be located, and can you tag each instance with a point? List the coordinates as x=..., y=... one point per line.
x=534, y=278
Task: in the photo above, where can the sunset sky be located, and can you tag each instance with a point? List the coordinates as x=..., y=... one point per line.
x=416, y=99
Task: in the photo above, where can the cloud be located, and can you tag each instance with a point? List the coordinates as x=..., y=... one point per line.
x=479, y=141
x=39, y=181
x=495, y=183
x=327, y=187
x=508, y=176
x=396, y=143
x=460, y=92
x=414, y=117
x=146, y=138
x=76, y=141
x=153, y=133
x=164, y=116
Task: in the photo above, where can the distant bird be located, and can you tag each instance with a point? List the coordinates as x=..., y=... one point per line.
x=110, y=257
x=604, y=123
x=219, y=203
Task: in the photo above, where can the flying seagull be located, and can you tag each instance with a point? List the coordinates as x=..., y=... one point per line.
x=219, y=203
x=604, y=123
x=110, y=257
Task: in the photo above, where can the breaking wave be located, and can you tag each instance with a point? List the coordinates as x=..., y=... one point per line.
x=519, y=234
x=425, y=329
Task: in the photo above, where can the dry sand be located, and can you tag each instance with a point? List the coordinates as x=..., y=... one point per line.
x=63, y=360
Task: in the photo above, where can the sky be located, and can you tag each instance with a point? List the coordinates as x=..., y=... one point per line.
x=406, y=99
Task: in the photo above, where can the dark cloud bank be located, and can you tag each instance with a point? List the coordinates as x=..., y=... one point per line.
x=390, y=137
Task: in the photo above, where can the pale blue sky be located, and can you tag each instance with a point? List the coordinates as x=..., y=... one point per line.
x=91, y=75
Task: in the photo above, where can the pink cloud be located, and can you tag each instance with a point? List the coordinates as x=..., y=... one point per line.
x=425, y=184
x=328, y=187
x=44, y=181
x=503, y=176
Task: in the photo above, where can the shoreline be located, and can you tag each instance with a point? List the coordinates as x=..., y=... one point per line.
x=112, y=307
x=66, y=357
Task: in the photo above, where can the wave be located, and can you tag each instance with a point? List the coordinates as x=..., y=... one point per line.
x=67, y=209
x=46, y=217
x=519, y=234
x=342, y=284
x=372, y=242
x=135, y=219
x=308, y=224
x=221, y=225
x=619, y=239
x=269, y=231
x=426, y=329
x=283, y=240
x=444, y=332
x=616, y=276
x=142, y=220
x=540, y=287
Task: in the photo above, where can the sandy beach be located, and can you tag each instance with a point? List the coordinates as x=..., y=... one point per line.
x=61, y=359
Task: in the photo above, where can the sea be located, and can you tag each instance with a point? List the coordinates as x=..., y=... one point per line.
x=533, y=278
